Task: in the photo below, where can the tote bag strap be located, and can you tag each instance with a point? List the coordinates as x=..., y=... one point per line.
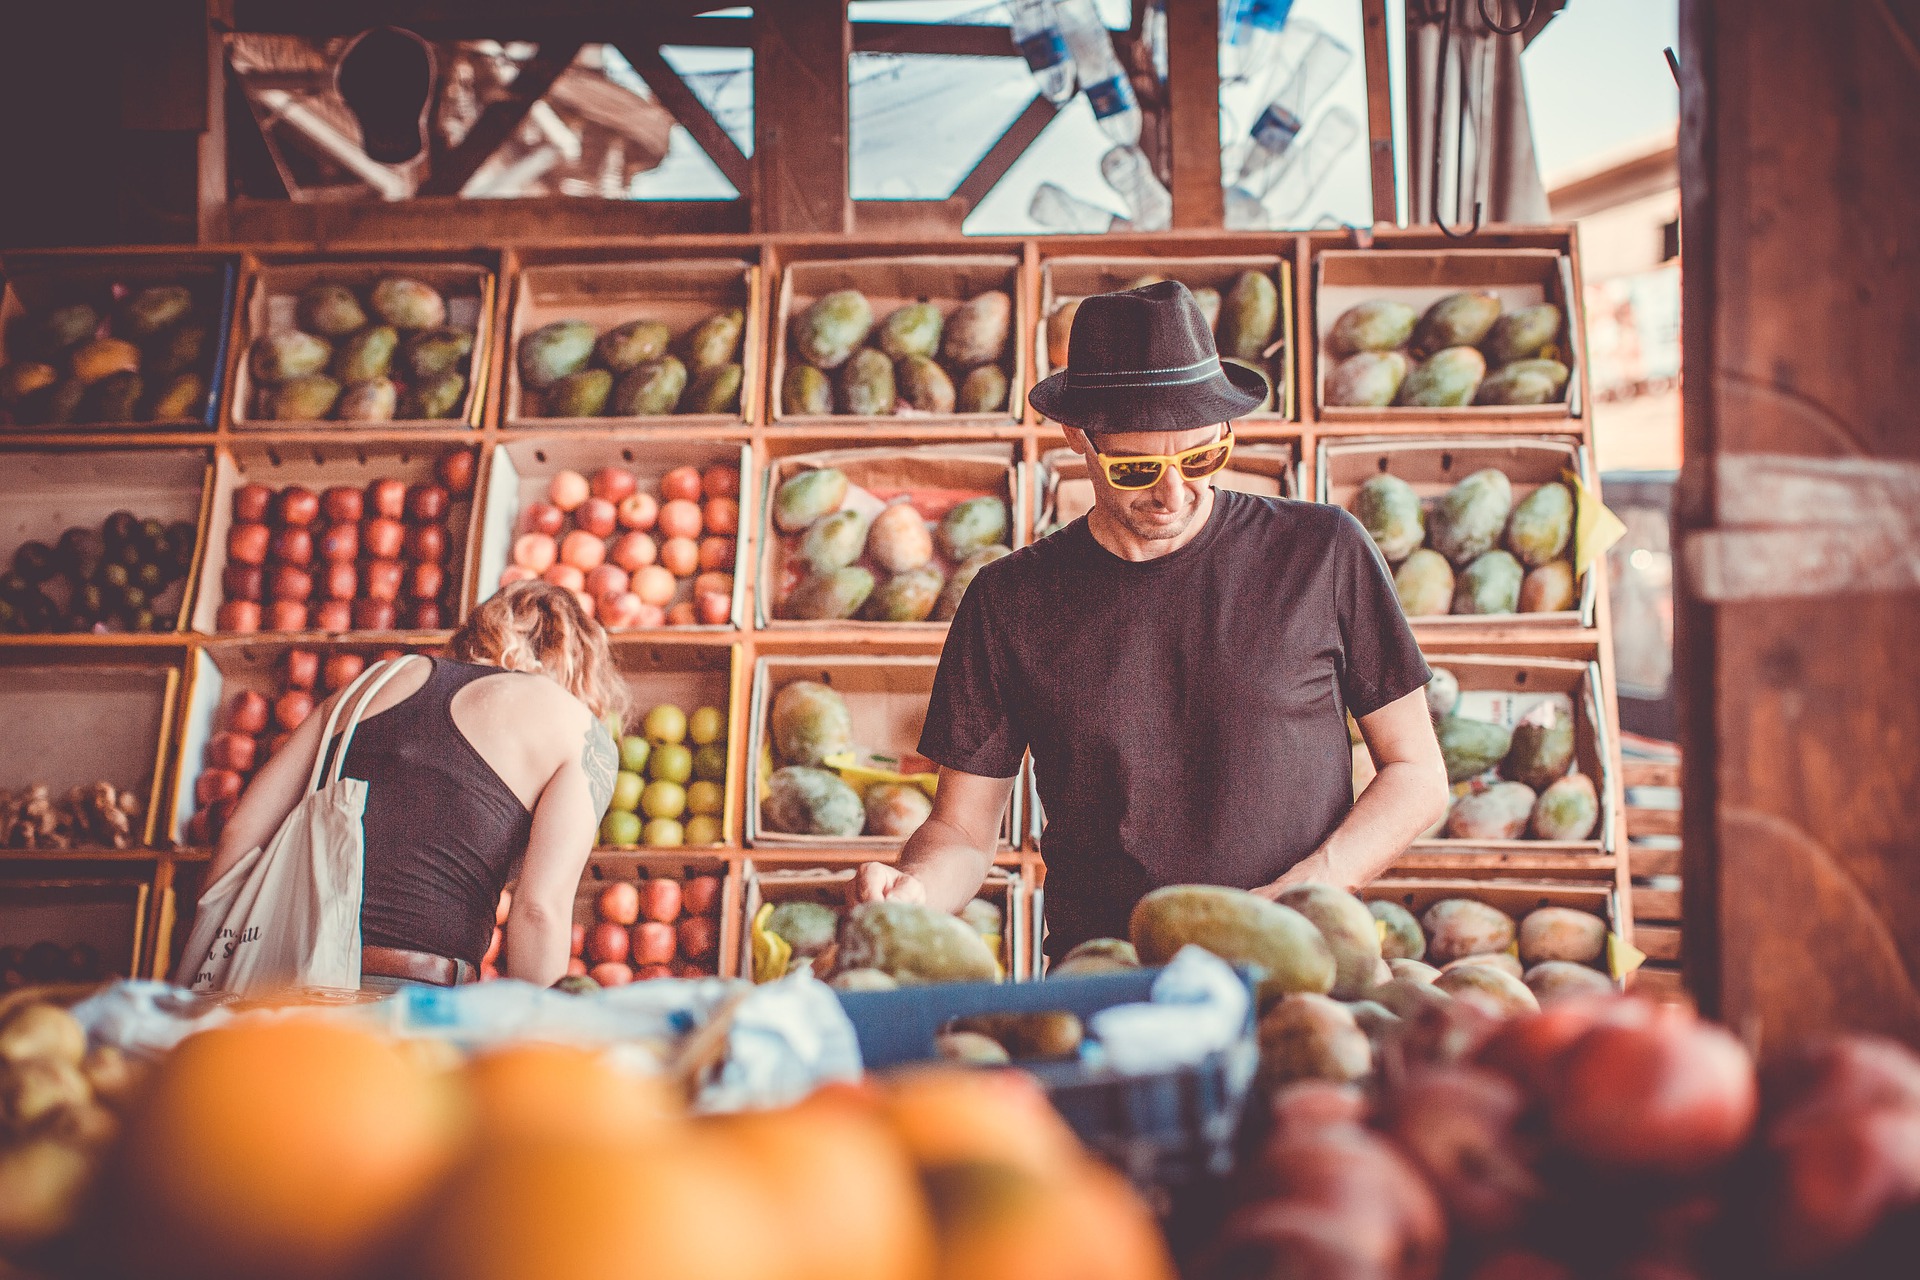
x=384, y=671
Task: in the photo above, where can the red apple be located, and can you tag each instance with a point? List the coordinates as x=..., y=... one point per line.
x=612, y=483
x=300, y=668
x=682, y=615
x=516, y=573
x=292, y=545
x=660, y=900
x=712, y=609
x=578, y=946
x=576, y=967
x=342, y=669
x=333, y=615
x=717, y=553
x=566, y=575
x=618, y=903
x=607, y=580
x=383, y=579
x=276, y=744
x=620, y=612
x=392, y=653
x=287, y=615
x=455, y=469
x=216, y=784
x=543, y=517
x=721, y=515
x=638, y=511
x=240, y=616
x=607, y=942
x=373, y=615
x=235, y=751
x=250, y=503
x=651, y=615
x=700, y=896
x=426, y=616
x=387, y=498
x=582, y=550
x=291, y=709
x=383, y=538
x=567, y=490
x=289, y=584
x=200, y=830
x=682, y=483
x=652, y=972
x=596, y=516
x=699, y=937
x=427, y=502
x=343, y=505
x=247, y=543
x=341, y=581
x=297, y=505
x=534, y=552
x=243, y=582
x=427, y=543
x=611, y=974
x=634, y=552
x=248, y=712
x=340, y=543
x=720, y=482
x=586, y=603
x=654, y=943
x=426, y=581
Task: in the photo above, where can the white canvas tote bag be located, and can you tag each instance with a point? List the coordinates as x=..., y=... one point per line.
x=288, y=914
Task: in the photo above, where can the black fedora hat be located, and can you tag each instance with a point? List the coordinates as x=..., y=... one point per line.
x=1144, y=360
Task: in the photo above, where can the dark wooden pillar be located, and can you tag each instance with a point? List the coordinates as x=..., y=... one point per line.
x=800, y=148
x=1799, y=618
x=1193, y=111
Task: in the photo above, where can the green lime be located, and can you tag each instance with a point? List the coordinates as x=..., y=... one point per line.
x=710, y=763
x=626, y=791
x=704, y=829
x=620, y=828
x=664, y=833
x=671, y=763
x=705, y=798
x=665, y=723
x=707, y=725
x=663, y=800
x=633, y=753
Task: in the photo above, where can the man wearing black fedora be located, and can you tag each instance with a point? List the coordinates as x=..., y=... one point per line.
x=1180, y=661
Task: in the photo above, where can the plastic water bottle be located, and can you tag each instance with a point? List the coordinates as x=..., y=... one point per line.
x=1036, y=33
x=1128, y=171
x=1060, y=210
x=1280, y=123
x=1290, y=184
x=1244, y=211
x=1102, y=78
x=1249, y=31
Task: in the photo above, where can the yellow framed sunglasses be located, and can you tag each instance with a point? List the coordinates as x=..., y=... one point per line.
x=1143, y=470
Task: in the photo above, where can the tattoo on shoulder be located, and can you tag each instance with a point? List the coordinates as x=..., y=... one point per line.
x=601, y=759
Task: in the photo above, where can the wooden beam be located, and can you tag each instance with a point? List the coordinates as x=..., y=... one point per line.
x=800, y=118
x=1386, y=206
x=451, y=168
x=1006, y=149
x=1193, y=111
x=441, y=220
x=689, y=112
x=956, y=39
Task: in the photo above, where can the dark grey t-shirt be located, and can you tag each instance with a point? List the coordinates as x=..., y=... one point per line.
x=1187, y=714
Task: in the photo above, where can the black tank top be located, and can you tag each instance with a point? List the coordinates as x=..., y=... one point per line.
x=443, y=831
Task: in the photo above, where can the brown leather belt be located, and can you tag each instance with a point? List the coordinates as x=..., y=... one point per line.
x=416, y=966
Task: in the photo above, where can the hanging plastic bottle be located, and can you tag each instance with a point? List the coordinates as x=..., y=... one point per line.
x=1280, y=123
x=1102, y=78
x=1128, y=172
x=1243, y=211
x=1302, y=170
x=1036, y=33
x=1249, y=32
x=1058, y=209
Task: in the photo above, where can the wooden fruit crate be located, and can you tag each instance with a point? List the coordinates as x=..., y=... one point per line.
x=608, y=867
x=689, y=676
x=1517, y=898
x=99, y=906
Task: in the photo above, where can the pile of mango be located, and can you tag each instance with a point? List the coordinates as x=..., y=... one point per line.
x=808, y=726
x=879, y=946
x=1464, y=350
x=377, y=354
x=1511, y=783
x=130, y=355
x=569, y=369
x=1473, y=550
x=841, y=558
x=920, y=359
x=1245, y=323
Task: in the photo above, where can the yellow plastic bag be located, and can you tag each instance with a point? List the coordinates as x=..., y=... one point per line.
x=861, y=772
x=771, y=952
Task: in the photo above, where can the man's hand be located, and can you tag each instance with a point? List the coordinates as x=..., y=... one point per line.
x=1315, y=867
x=875, y=881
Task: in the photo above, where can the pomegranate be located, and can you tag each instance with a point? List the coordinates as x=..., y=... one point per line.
x=1388, y=1212
x=1832, y=1182
x=1457, y=1123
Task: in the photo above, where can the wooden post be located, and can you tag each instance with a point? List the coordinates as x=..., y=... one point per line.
x=1193, y=108
x=1801, y=729
x=1379, y=72
x=801, y=134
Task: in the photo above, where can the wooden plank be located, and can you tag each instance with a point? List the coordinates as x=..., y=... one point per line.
x=1650, y=773
x=1007, y=148
x=445, y=219
x=1659, y=941
x=1653, y=822
x=801, y=132
x=451, y=168
x=689, y=112
x=1193, y=111
x=1645, y=862
x=1386, y=208
x=1656, y=982
x=1656, y=904
x=951, y=39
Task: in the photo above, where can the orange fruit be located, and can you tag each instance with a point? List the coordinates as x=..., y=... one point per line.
x=286, y=1146
x=947, y=1116
x=1002, y=1223
x=556, y=1091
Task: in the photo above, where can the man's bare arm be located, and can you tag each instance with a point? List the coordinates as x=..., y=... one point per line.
x=945, y=861
x=1406, y=796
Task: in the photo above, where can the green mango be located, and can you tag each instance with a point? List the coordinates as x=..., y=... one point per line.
x=1266, y=404
x=154, y=308
x=807, y=927
x=805, y=497
x=330, y=310
x=1498, y=813
x=804, y=801
x=1350, y=933
x=1457, y=320
x=913, y=943
x=175, y=351
x=866, y=384
x=805, y=390
x=834, y=542
x=1389, y=510
x=1568, y=809
x=859, y=980
x=1491, y=584
x=973, y=525
x=1539, y=752
x=441, y=396
x=809, y=721
x=113, y=398
x=831, y=597
x=715, y=342
x=1380, y=324
x=1443, y=693
x=1522, y=335
x=626, y=347
x=1541, y=525
x=1096, y=955
x=912, y=330
x=1208, y=300
x=432, y=352
x=905, y=597
x=278, y=357
x=555, y=350
x=581, y=394
x=924, y=385
x=373, y=400
x=718, y=391
x=976, y=332
x=1237, y=926
x=367, y=354
x=63, y=402
x=1366, y=380
x=1524, y=382
x=1446, y=380
x=949, y=602
x=827, y=333
x=650, y=390
x=1248, y=316
x=983, y=390
x=1470, y=747
x=898, y=539
x=409, y=304
x=1402, y=938
x=1548, y=589
x=183, y=396
x=1469, y=518
x=66, y=327
x=896, y=809
x=307, y=398
x=1424, y=584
